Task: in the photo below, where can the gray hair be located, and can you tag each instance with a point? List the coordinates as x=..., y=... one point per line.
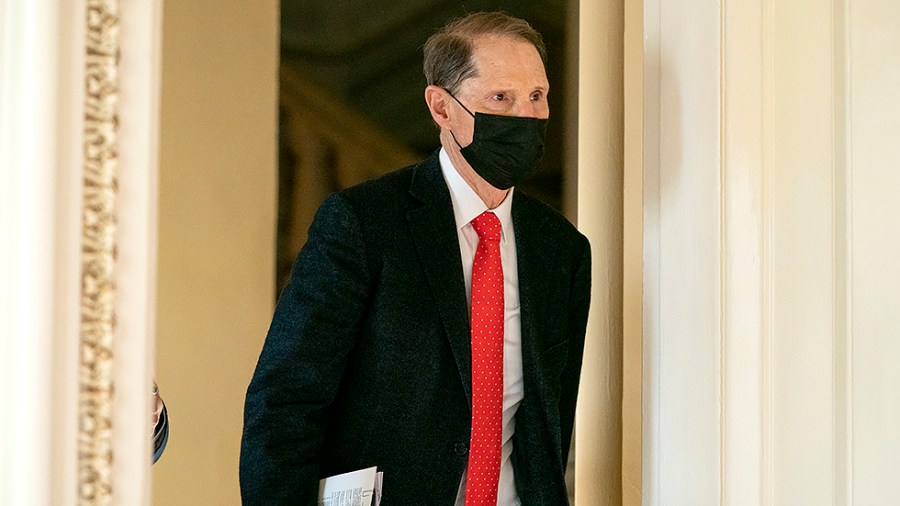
x=448, y=53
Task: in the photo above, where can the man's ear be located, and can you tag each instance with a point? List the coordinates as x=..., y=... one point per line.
x=437, y=100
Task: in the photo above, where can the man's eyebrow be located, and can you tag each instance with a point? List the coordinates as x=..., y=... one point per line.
x=511, y=89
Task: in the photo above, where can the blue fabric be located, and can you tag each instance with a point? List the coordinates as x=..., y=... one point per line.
x=160, y=434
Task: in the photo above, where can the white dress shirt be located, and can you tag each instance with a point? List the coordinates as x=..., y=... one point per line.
x=467, y=205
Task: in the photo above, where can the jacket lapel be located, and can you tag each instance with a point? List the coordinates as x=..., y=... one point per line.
x=534, y=252
x=434, y=233
x=433, y=229
x=538, y=271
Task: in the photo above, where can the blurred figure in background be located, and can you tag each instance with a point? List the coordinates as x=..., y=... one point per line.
x=160, y=424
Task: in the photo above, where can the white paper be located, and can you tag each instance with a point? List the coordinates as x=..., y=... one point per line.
x=379, y=478
x=356, y=488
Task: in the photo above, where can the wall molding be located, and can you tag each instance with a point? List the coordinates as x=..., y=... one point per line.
x=98, y=315
x=842, y=234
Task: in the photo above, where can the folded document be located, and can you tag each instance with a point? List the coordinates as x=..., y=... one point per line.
x=357, y=488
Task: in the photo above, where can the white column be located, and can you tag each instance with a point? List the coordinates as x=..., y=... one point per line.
x=867, y=362
x=681, y=252
x=40, y=157
x=136, y=238
x=598, y=436
x=770, y=284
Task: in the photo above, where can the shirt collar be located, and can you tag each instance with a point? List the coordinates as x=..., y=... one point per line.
x=467, y=205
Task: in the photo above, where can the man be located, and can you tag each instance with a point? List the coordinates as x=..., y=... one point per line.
x=434, y=322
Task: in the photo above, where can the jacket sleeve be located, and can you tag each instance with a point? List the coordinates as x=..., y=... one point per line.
x=315, y=326
x=161, y=425
x=579, y=303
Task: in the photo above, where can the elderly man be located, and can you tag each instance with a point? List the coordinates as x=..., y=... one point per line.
x=434, y=322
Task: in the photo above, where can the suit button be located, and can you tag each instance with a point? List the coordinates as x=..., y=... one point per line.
x=461, y=449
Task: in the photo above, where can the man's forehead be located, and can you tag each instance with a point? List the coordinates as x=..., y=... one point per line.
x=505, y=60
x=494, y=43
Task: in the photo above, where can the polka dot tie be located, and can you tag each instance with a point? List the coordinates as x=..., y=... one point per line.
x=487, y=364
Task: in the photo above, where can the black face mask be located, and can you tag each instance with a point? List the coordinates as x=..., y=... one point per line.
x=504, y=149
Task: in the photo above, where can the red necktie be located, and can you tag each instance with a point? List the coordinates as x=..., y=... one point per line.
x=487, y=364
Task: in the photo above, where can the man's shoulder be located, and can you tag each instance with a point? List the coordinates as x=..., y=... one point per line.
x=532, y=210
x=392, y=182
x=383, y=200
x=389, y=189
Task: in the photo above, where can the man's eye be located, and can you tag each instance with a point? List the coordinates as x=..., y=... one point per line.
x=499, y=97
x=537, y=97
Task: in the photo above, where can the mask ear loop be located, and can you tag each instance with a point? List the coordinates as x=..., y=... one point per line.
x=461, y=104
x=454, y=140
x=466, y=109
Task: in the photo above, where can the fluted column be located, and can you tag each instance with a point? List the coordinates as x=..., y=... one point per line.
x=771, y=283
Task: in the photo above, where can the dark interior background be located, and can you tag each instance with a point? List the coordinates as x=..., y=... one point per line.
x=368, y=54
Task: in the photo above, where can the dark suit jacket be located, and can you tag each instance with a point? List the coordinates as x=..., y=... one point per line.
x=367, y=360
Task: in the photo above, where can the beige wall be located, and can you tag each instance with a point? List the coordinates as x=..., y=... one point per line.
x=632, y=304
x=598, y=418
x=216, y=234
